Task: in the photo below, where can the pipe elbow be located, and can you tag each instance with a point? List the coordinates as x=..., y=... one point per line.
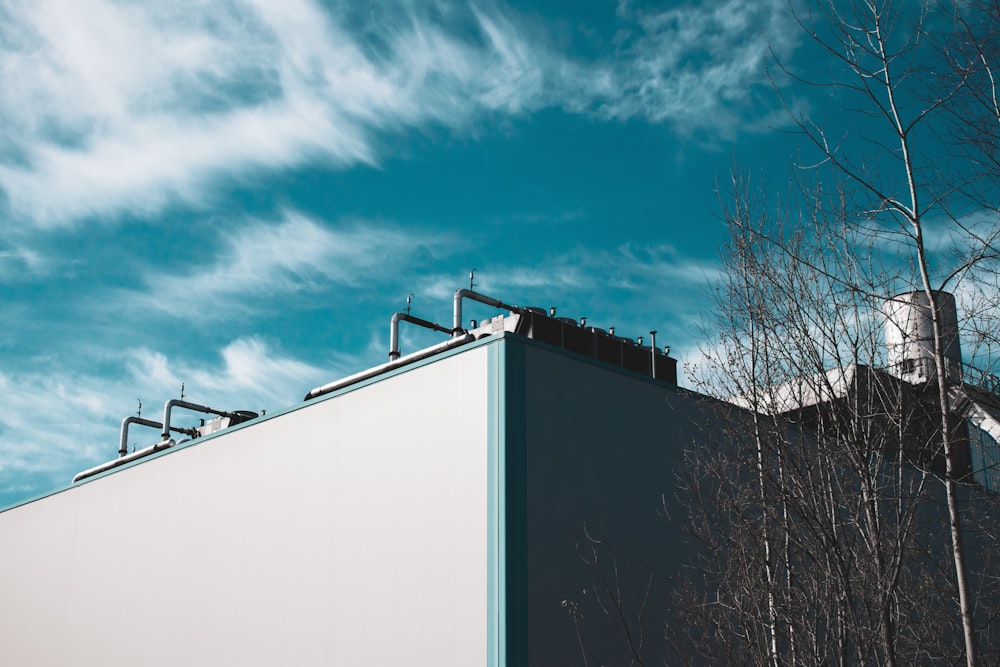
x=123, y=437
x=394, y=335
x=167, y=407
x=456, y=328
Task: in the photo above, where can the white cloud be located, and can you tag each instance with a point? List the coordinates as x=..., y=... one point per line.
x=127, y=107
x=143, y=166
x=634, y=287
x=16, y=261
x=250, y=376
x=114, y=107
x=700, y=65
x=52, y=424
x=630, y=267
x=266, y=262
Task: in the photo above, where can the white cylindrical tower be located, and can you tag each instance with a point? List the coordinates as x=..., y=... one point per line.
x=909, y=336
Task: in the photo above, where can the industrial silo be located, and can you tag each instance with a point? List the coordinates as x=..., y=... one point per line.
x=909, y=336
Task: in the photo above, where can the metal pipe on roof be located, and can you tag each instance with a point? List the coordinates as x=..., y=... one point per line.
x=128, y=458
x=398, y=317
x=457, y=341
x=475, y=296
x=123, y=442
x=181, y=403
x=652, y=353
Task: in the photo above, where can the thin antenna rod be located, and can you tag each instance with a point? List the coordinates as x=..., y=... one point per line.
x=472, y=278
x=652, y=353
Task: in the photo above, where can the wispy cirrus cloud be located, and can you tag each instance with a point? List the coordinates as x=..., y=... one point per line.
x=629, y=267
x=250, y=374
x=52, y=422
x=269, y=262
x=18, y=260
x=128, y=107
x=700, y=65
x=119, y=107
x=632, y=287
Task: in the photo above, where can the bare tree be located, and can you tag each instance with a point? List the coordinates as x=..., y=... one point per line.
x=832, y=522
x=877, y=47
x=835, y=555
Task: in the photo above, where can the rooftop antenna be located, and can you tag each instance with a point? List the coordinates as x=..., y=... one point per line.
x=409, y=300
x=652, y=353
x=182, y=390
x=472, y=277
x=138, y=413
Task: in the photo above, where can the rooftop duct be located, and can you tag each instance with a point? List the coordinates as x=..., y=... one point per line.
x=398, y=317
x=128, y=421
x=475, y=296
x=457, y=341
x=234, y=417
x=223, y=420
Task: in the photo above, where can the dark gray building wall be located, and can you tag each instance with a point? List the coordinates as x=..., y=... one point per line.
x=594, y=453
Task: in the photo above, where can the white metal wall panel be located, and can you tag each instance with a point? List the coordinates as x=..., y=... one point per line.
x=351, y=531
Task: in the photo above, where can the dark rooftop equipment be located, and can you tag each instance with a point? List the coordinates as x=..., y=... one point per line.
x=536, y=323
x=568, y=334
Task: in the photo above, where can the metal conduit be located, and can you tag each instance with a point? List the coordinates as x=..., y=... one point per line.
x=181, y=403
x=166, y=442
x=128, y=458
x=475, y=296
x=402, y=361
x=123, y=443
x=394, y=352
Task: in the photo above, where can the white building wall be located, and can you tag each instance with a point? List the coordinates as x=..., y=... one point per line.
x=349, y=531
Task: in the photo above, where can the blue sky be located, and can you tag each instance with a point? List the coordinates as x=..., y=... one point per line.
x=238, y=194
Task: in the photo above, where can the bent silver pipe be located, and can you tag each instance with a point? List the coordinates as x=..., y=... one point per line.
x=123, y=442
x=394, y=352
x=475, y=296
x=181, y=403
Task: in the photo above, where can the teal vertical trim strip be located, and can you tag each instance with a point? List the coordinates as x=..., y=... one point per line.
x=515, y=523
x=506, y=599
x=496, y=614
